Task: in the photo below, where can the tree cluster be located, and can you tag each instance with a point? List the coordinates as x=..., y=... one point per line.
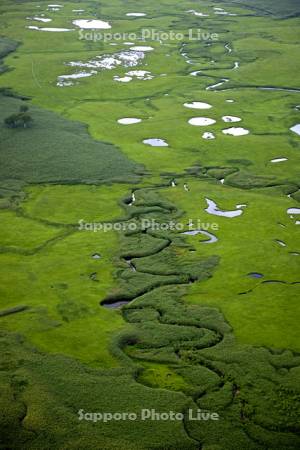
x=21, y=119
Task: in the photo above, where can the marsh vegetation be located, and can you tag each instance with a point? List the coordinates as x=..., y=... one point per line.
x=127, y=133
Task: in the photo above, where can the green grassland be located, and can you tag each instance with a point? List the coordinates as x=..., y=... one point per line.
x=196, y=330
x=38, y=156
x=69, y=204
x=273, y=308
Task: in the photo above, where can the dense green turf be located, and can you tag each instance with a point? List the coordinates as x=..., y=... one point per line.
x=197, y=331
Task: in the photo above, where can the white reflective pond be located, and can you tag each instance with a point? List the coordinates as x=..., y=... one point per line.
x=198, y=105
x=155, y=142
x=91, y=24
x=129, y=121
x=201, y=121
x=236, y=131
x=212, y=208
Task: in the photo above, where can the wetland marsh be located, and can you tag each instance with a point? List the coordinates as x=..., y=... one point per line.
x=142, y=137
